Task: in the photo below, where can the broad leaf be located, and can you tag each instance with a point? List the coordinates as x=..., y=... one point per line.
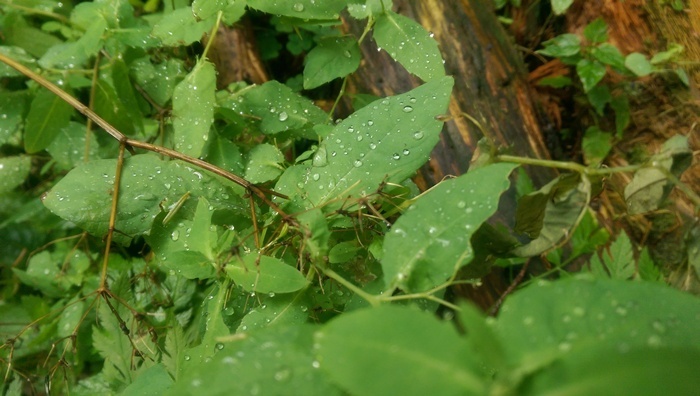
x=410, y=44
x=272, y=361
x=431, y=241
x=13, y=172
x=596, y=145
x=193, y=109
x=560, y=6
x=561, y=46
x=180, y=27
x=333, y=57
x=590, y=73
x=278, y=309
x=84, y=195
x=547, y=321
x=396, y=350
x=264, y=163
x=638, y=64
x=386, y=141
x=265, y=274
x=48, y=114
x=303, y=9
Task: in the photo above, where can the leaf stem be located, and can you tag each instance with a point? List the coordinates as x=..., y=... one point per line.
x=373, y=300
x=212, y=35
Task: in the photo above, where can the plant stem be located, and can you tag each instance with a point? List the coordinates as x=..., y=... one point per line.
x=373, y=300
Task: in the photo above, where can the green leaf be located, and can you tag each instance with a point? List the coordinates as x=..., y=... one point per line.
x=193, y=109
x=48, y=114
x=265, y=274
x=152, y=381
x=548, y=321
x=343, y=252
x=17, y=54
x=482, y=340
x=596, y=31
x=590, y=73
x=672, y=52
x=68, y=149
x=272, y=361
x=83, y=196
x=643, y=371
x=599, y=96
x=608, y=54
x=618, y=260
x=263, y=163
x=125, y=92
x=157, y=80
x=410, y=44
x=76, y=54
x=562, y=46
x=284, y=309
x=383, y=142
x=203, y=9
x=302, y=9
x=550, y=214
x=560, y=6
x=17, y=32
x=278, y=107
x=555, y=82
x=638, y=64
x=431, y=241
x=224, y=154
x=13, y=171
x=596, y=145
x=621, y=107
x=14, y=107
x=650, y=186
x=180, y=27
x=396, y=350
x=110, y=107
x=369, y=8
x=333, y=57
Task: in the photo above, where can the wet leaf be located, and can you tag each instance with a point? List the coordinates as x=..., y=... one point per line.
x=13, y=171
x=303, y=9
x=265, y=274
x=264, y=163
x=333, y=57
x=193, y=109
x=431, y=241
x=410, y=44
x=547, y=321
x=374, y=352
x=386, y=141
x=278, y=309
x=180, y=27
x=590, y=72
x=48, y=114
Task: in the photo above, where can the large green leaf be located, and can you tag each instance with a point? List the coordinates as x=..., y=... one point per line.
x=304, y=9
x=548, y=320
x=410, y=44
x=393, y=350
x=83, y=196
x=278, y=309
x=271, y=361
x=264, y=163
x=13, y=172
x=387, y=140
x=193, y=109
x=431, y=241
x=265, y=274
x=180, y=27
x=48, y=114
x=333, y=57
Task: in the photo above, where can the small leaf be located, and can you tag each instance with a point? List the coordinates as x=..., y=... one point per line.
x=555, y=82
x=375, y=351
x=618, y=259
x=621, y=106
x=599, y=96
x=263, y=163
x=562, y=46
x=265, y=274
x=203, y=9
x=672, y=52
x=180, y=27
x=302, y=9
x=410, y=44
x=590, y=73
x=608, y=54
x=560, y=6
x=596, y=31
x=638, y=64
x=549, y=214
x=13, y=172
x=370, y=8
x=333, y=57
x=193, y=109
x=431, y=241
x=76, y=54
x=48, y=114
x=596, y=145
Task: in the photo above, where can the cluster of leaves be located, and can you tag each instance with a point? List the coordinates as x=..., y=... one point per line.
x=331, y=286
x=593, y=59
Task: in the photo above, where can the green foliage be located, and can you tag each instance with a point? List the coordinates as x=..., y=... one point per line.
x=256, y=246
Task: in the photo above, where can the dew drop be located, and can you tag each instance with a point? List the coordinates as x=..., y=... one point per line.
x=406, y=152
x=283, y=116
x=316, y=176
x=372, y=146
x=298, y=7
x=175, y=235
x=370, y=122
x=357, y=163
x=396, y=156
x=418, y=135
x=219, y=346
x=407, y=109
